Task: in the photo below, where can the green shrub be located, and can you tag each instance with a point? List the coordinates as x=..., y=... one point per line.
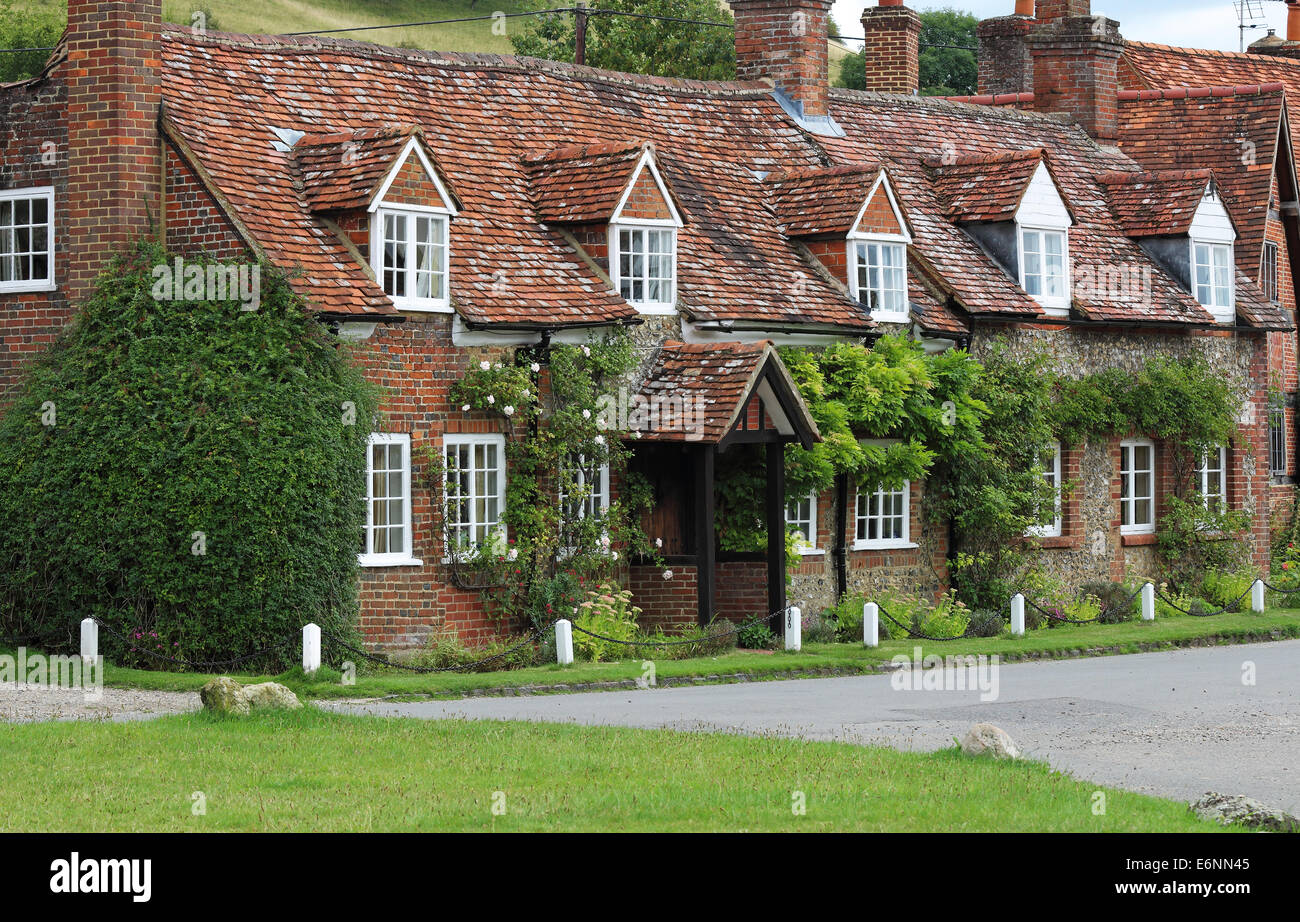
x=1228, y=590
x=607, y=610
x=717, y=638
x=985, y=623
x=443, y=651
x=1117, y=601
x=846, y=616
x=185, y=468
x=818, y=628
x=757, y=636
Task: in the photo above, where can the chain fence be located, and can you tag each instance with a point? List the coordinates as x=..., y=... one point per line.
x=198, y=665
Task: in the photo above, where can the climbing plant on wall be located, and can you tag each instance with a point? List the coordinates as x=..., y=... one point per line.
x=548, y=550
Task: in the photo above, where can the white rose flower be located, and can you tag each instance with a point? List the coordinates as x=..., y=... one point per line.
x=659, y=542
x=497, y=366
x=668, y=574
x=464, y=407
x=485, y=365
x=526, y=393
x=491, y=400
x=509, y=410
x=615, y=555
x=534, y=368
x=600, y=440
x=586, y=351
x=586, y=414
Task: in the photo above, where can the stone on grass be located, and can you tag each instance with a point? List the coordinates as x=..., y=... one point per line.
x=223, y=695
x=1243, y=811
x=985, y=739
x=271, y=695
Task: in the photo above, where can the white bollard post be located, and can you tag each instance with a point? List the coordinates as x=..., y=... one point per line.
x=310, y=648
x=89, y=640
x=1148, y=602
x=1018, y=615
x=871, y=625
x=793, y=629
x=564, y=642
x=1257, y=596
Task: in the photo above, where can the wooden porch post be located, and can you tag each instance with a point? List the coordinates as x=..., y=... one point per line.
x=776, y=533
x=705, y=556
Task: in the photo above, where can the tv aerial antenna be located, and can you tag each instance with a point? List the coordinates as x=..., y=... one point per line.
x=1250, y=15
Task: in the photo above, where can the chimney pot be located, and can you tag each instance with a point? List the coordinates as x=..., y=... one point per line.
x=892, y=49
x=1025, y=8
x=1292, y=21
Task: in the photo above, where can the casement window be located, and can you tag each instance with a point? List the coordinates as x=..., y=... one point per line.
x=880, y=278
x=388, y=502
x=801, y=519
x=1043, y=265
x=1052, y=475
x=27, y=239
x=643, y=263
x=1268, y=271
x=474, y=489
x=882, y=517
x=584, y=489
x=1212, y=277
x=1212, y=479
x=1277, y=440
x=1137, y=473
x=409, y=254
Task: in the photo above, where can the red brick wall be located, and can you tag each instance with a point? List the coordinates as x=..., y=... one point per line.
x=645, y=201
x=1076, y=71
x=114, y=155
x=671, y=604
x=741, y=590
x=34, y=153
x=195, y=223
x=833, y=253
x=785, y=40
x=878, y=217
x=413, y=186
x=893, y=51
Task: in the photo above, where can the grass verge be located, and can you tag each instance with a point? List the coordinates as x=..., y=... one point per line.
x=814, y=659
x=300, y=771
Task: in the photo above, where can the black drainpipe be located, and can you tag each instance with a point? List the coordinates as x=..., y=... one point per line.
x=839, y=552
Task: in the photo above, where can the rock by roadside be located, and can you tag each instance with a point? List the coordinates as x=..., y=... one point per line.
x=984, y=739
x=1241, y=810
x=223, y=695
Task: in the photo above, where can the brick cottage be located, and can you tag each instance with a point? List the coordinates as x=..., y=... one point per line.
x=444, y=209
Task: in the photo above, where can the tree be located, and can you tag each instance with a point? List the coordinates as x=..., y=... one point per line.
x=186, y=468
x=38, y=27
x=636, y=45
x=947, y=67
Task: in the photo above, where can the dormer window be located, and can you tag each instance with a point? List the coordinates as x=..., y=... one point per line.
x=411, y=261
x=644, y=264
x=643, y=240
x=1042, y=264
x=878, y=255
x=1042, y=226
x=1212, y=276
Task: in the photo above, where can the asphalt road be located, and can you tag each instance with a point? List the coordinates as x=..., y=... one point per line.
x=1176, y=723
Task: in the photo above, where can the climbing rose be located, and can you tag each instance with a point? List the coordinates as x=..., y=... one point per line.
x=668, y=574
x=491, y=399
x=509, y=410
x=484, y=365
x=535, y=368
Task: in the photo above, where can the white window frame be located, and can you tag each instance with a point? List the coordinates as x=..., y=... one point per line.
x=451, y=439
x=905, y=540
x=645, y=226
x=858, y=238
x=1059, y=304
x=809, y=543
x=411, y=214
x=33, y=193
x=1126, y=448
x=1052, y=472
x=1223, y=311
x=601, y=496
x=1204, y=473
x=858, y=249
x=1268, y=271
x=405, y=555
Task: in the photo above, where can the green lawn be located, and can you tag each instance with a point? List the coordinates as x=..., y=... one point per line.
x=278, y=16
x=313, y=771
x=1059, y=641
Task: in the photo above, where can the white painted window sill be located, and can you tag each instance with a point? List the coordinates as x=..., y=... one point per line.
x=1137, y=530
x=19, y=288
x=388, y=560
x=811, y=551
x=883, y=545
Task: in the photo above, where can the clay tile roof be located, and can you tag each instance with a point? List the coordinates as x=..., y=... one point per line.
x=912, y=136
x=482, y=117
x=343, y=169
x=578, y=183
x=721, y=377
x=985, y=187
x=821, y=200
x=1156, y=203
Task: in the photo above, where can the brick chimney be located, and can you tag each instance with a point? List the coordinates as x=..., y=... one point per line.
x=114, y=160
x=1005, y=65
x=785, y=41
x=1076, y=65
x=1272, y=45
x=892, y=48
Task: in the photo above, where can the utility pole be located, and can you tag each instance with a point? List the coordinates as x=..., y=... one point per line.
x=580, y=33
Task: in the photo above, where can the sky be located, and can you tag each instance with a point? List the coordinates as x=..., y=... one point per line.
x=1189, y=23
